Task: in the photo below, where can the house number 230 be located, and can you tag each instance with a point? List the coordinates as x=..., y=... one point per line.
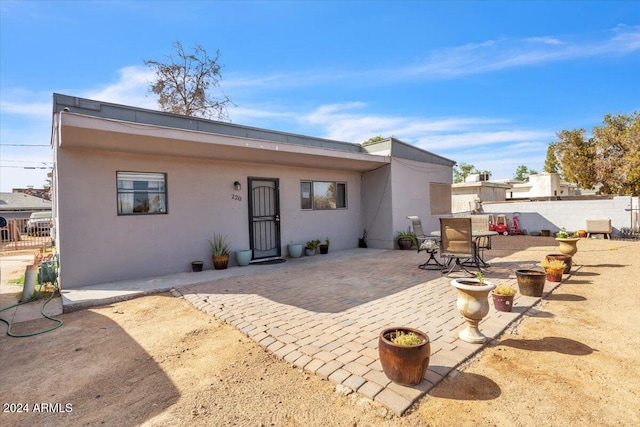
x=236, y=197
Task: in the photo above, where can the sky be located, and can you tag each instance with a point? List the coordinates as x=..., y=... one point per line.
x=486, y=83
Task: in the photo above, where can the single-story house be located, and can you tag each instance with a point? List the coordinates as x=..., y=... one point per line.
x=18, y=205
x=138, y=193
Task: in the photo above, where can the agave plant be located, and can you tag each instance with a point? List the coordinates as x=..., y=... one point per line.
x=220, y=245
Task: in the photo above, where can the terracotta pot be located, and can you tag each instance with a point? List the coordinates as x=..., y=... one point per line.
x=473, y=305
x=564, y=258
x=220, y=262
x=404, y=365
x=554, y=275
x=531, y=282
x=503, y=302
x=582, y=234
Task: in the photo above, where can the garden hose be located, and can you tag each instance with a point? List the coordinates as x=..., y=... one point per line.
x=35, y=297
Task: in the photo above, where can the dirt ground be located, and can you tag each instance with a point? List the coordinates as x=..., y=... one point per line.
x=157, y=361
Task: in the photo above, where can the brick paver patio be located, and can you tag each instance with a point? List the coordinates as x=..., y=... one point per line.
x=323, y=314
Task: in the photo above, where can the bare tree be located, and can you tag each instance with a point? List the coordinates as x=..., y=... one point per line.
x=185, y=82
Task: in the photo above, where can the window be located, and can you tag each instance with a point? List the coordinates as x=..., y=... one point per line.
x=141, y=193
x=323, y=195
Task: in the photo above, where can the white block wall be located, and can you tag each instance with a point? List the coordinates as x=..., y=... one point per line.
x=572, y=214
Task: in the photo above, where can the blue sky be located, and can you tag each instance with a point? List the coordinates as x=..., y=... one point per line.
x=485, y=83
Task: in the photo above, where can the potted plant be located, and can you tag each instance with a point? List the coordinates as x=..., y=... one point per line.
x=295, y=250
x=554, y=269
x=362, y=241
x=567, y=259
x=220, y=250
x=406, y=239
x=324, y=247
x=404, y=354
x=531, y=282
x=567, y=242
x=503, y=297
x=196, y=266
x=311, y=247
x=243, y=257
x=473, y=304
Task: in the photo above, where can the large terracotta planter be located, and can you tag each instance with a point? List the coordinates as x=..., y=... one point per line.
x=531, y=282
x=473, y=304
x=564, y=258
x=568, y=246
x=404, y=365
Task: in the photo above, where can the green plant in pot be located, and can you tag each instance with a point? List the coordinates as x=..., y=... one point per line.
x=406, y=240
x=567, y=242
x=324, y=247
x=404, y=354
x=503, y=297
x=220, y=250
x=311, y=247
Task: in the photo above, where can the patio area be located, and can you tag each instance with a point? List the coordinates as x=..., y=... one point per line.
x=323, y=314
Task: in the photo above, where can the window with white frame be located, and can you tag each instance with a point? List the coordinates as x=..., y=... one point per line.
x=141, y=193
x=323, y=195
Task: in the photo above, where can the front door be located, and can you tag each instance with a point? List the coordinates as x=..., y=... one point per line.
x=264, y=217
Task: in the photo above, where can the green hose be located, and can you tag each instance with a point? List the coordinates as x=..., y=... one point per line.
x=36, y=296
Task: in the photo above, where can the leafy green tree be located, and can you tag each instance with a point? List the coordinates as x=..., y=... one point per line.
x=523, y=172
x=617, y=161
x=185, y=82
x=551, y=164
x=609, y=159
x=462, y=171
x=576, y=155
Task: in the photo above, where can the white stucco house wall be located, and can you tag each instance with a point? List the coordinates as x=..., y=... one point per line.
x=542, y=185
x=138, y=193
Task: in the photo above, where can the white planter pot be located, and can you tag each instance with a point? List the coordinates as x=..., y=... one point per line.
x=473, y=304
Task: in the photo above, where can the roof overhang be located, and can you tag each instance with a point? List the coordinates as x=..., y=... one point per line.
x=94, y=133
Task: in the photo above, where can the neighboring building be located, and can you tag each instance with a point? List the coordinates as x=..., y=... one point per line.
x=43, y=193
x=18, y=205
x=468, y=196
x=542, y=185
x=138, y=193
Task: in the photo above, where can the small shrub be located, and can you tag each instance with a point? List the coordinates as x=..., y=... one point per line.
x=553, y=264
x=406, y=338
x=504, y=289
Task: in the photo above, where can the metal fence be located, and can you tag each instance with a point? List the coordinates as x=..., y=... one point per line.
x=20, y=234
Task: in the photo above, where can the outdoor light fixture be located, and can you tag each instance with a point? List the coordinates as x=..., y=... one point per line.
x=237, y=186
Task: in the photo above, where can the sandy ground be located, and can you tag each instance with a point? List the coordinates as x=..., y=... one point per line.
x=157, y=361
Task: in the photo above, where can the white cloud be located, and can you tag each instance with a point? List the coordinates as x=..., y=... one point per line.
x=131, y=88
x=25, y=103
x=458, y=61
